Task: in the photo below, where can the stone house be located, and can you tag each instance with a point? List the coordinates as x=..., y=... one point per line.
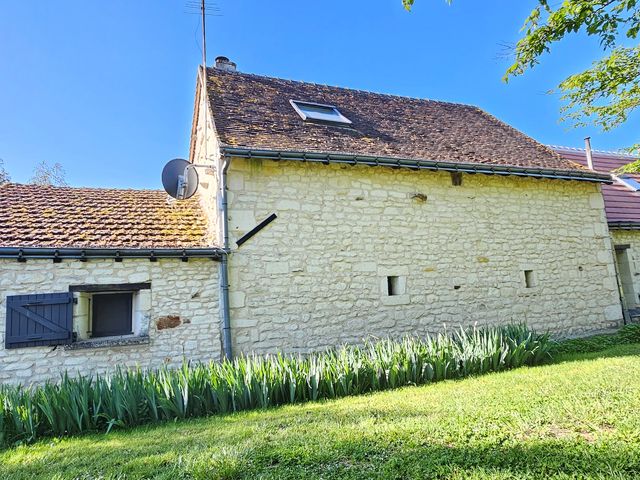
x=95, y=278
x=324, y=215
x=622, y=207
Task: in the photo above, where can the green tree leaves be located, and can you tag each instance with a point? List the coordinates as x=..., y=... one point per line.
x=608, y=92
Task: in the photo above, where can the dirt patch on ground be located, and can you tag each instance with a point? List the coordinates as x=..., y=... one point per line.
x=556, y=432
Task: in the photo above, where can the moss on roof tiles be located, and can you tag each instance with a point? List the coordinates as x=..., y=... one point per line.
x=254, y=112
x=65, y=217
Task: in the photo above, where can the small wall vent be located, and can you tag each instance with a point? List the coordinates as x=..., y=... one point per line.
x=529, y=279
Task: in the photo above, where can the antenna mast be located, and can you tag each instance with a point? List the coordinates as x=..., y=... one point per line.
x=204, y=79
x=204, y=36
x=201, y=8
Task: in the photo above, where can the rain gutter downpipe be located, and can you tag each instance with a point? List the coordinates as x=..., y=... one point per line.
x=224, y=263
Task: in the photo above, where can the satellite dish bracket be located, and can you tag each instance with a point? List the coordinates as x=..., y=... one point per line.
x=183, y=182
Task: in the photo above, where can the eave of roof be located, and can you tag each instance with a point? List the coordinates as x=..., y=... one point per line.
x=416, y=164
x=618, y=225
x=83, y=254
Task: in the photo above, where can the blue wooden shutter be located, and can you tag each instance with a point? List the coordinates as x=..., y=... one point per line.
x=39, y=320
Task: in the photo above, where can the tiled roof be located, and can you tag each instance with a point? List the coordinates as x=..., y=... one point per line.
x=254, y=112
x=66, y=217
x=622, y=205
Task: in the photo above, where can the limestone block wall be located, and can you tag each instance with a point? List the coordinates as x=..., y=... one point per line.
x=205, y=150
x=187, y=290
x=319, y=274
x=631, y=238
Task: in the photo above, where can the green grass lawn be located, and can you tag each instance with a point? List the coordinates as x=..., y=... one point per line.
x=578, y=418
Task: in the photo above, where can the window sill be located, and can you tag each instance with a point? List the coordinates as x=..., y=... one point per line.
x=393, y=300
x=109, y=342
x=529, y=292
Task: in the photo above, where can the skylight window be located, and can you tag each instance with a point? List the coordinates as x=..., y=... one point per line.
x=317, y=112
x=630, y=182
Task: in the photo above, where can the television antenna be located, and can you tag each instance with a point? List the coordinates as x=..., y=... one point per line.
x=180, y=178
x=195, y=7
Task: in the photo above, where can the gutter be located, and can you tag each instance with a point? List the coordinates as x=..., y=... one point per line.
x=624, y=225
x=58, y=254
x=374, y=161
x=225, y=316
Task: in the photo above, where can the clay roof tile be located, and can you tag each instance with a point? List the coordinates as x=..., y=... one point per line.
x=69, y=217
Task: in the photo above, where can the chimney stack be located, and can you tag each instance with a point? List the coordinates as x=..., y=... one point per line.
x=223, y=63
x=587, y=148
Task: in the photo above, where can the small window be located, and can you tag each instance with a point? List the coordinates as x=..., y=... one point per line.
x=111, y=314
x=456, y=179
x=110, y=310
x=630, y=182
x=529, y=279
x=319, y=113
x=393, y=286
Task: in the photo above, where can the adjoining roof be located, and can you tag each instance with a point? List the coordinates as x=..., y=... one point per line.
x=603, y=161
x=66, y=217
x=622, y=204
x=252, y=112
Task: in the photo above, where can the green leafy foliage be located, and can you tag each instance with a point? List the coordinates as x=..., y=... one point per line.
x=609, y=91
x=632, y=167
x=409, y=3
x=597, y=343
x=133, y=397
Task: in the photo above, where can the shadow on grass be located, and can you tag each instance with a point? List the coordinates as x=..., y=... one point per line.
x=625, y=350
x=304, y=443
x=366, y=458
x=540, y=459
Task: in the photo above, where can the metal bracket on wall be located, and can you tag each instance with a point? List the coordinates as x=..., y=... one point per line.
x=256, y=229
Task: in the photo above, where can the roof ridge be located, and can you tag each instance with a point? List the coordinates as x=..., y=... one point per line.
x=252, y=110
x=403, y=97
x=358, y=90
x=594, y=150
x=69, y=187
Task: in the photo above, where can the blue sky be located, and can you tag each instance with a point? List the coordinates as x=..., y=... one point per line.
x=106, y=88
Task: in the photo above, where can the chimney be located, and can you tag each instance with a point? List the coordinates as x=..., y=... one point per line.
x=223, y=63
x=587, y=149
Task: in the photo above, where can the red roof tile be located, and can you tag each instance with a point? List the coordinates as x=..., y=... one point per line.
x=622, y=204
x=66, y=217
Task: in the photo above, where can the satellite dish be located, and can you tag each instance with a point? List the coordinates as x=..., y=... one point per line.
x=180, y=179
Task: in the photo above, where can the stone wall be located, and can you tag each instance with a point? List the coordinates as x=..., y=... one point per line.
x=205, y=150
x=179, y=313
x=631, y=238
x=318, y=275
x=493, y=250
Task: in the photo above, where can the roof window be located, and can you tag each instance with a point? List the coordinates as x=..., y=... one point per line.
x=630, y=182
x=317, y=112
